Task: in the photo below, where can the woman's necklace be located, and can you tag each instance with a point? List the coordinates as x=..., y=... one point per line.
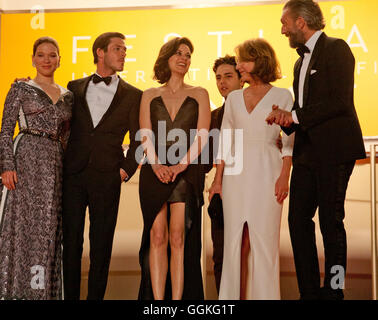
x=173, y=91
x=260, y=87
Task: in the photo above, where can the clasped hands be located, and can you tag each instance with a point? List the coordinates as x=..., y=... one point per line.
x=167, y=174
x=281, y=117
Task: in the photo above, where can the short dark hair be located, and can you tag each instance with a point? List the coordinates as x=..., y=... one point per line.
x=309, y=11
x=162, y=73
x=41, y=40
x=102, y=42
x=226, y=60
x=258, y=50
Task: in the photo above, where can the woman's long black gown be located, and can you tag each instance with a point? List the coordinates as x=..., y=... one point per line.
x=153, y=194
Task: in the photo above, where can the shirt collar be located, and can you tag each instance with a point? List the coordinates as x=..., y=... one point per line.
x=114, y=77
x=312, y=41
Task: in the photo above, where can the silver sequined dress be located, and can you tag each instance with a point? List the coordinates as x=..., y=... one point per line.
x=30, y=215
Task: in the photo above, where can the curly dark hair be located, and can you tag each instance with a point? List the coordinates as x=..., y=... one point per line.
x=226, y=60
x=162, y=73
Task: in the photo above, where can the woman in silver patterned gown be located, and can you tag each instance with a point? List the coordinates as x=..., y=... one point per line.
x=31, y=172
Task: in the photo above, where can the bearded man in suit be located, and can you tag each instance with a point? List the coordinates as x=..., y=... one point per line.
x=105, y=109
x=328, y=141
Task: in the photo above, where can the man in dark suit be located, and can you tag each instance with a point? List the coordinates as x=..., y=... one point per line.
x=105, y=109
x=328, y=140
x=227, y=79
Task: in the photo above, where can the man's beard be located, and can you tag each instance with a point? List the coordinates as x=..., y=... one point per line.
x=296, y=39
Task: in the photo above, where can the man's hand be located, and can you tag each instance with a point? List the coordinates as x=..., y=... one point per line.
x=123, y=174
x=22, y=79
x=281, y=117
x=215, y=188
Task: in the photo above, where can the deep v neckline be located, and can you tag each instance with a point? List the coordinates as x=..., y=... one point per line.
x=35, y=85
x=257, y=104
x=178, y=111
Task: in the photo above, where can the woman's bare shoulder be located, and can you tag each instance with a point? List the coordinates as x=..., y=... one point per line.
x=151, y=93
x=198, y=92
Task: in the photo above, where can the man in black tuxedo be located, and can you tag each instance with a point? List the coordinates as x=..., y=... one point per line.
x=105, y=109
x=328, y=140
x=227, y=80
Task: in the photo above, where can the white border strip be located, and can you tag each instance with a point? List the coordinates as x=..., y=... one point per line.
x=80, y=6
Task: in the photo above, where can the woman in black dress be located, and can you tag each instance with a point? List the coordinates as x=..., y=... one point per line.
x=174, y=121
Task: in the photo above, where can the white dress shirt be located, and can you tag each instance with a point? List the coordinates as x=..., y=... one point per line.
x=99, y=97
x=302, y=75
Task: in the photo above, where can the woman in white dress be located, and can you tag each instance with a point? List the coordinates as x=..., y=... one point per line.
x=253, y=176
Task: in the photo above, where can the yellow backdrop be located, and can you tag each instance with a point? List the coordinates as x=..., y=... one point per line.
x=213, y=31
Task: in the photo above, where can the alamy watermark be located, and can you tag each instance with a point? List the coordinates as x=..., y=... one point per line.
x=338, y=280
x=38, y=20
x=38, y=277
x=172, y=146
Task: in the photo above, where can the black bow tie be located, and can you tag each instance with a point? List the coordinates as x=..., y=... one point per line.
x=97, y=79
x=302, y=49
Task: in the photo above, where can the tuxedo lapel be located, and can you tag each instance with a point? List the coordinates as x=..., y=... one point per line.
x=315, y=54
x=297, y=70
x=82, y=94
x=118, y=97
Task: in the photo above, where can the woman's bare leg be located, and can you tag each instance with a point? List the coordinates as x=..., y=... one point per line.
x=176, y=240
x=158, y=253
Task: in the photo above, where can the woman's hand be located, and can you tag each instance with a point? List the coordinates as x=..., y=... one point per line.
x=176, y=170
x=282, y=188
x=9, y=179
x=215, y=188
x=162, y=172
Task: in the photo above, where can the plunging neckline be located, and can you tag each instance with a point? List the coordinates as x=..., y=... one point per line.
x=37, y=86
x=257, y=104
x=178, y=111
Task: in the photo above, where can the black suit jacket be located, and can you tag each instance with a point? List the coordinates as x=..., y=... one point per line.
x=101, y=147
x=328, y=130
x=216, y=123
